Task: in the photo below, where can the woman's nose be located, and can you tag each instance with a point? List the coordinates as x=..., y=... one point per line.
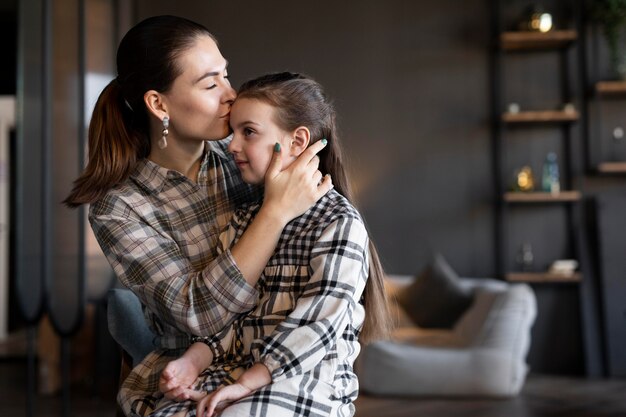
x=230, y=95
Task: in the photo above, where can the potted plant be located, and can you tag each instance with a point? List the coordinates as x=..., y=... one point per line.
x=611, y=15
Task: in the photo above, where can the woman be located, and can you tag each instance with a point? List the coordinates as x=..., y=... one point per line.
x=321, y=292
x=161, y=187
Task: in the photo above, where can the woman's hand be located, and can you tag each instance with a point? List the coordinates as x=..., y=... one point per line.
x=288, y=194
x=220, y=398
x=176, y=379
x=292, y=192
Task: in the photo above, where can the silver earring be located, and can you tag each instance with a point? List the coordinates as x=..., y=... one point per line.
x=163, y=141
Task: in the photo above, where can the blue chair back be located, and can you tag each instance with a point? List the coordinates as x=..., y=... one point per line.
x=127, y=324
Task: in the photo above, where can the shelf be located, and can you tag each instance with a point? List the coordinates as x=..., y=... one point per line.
x=612, y=168
x=541, y=116
x=611, y=87
x=543, y=277
x=541, y=197
x=512, y=41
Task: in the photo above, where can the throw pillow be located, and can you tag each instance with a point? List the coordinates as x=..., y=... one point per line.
x=436, y=299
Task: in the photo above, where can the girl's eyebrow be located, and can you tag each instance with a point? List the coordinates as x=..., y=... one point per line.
x=211, y=74
x=247, y=122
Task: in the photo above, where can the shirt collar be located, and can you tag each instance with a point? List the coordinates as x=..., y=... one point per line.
x=150, y=175
x=218, y=147
x=153, y=176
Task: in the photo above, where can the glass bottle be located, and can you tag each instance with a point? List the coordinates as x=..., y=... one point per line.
x=550, y=175
x=525, y=257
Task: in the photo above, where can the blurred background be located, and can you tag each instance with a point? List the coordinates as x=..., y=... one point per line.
x=434, y=113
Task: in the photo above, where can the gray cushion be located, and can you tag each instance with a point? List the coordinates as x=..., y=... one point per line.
x=436, y=299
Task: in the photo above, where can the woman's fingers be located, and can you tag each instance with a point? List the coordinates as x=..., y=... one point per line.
x=314, y=163
x=176, y=394
x=276, y=163
x=195, y=395
x=311, y=152
x=317, y=177
x=168, y=384
x=326, y=185
x=292, y=191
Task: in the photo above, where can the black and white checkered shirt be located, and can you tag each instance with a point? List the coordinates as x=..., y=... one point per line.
x=305, y=326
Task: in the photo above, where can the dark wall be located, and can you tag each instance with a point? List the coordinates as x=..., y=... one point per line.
x=412, y=88
x=410, y=85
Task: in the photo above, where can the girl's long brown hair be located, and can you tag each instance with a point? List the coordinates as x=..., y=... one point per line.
x=119, y=133
x=300, y=101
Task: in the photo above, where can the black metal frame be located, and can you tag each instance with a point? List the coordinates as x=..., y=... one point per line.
x=592, y=340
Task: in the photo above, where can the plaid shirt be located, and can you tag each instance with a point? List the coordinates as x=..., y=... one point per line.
x=305, y=326
x=159, y=231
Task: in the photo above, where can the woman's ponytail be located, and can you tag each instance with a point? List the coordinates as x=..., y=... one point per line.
x=114, y=148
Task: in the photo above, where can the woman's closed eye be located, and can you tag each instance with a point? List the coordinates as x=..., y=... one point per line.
x=226, y=78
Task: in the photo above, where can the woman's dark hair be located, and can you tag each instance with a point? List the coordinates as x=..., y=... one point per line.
x=147, y=59
x=300, y=101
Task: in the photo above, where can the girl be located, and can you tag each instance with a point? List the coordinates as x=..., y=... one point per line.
x=293, y=354
x=161, y=188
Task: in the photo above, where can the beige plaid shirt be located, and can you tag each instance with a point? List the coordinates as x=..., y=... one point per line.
x=159, y=231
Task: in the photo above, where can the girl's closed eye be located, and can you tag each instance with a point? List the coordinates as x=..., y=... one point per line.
x=248, y=131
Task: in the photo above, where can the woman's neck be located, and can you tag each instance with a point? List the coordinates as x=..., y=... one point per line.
x=181, y=157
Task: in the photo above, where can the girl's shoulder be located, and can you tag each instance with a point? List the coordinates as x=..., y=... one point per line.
x=331, y=209
x=333, y=206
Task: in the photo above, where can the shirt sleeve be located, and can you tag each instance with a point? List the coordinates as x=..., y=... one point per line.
x=155, y=269
x=226, y=344
x=339, y=269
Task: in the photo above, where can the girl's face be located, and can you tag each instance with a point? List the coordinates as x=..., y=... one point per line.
x=254, y=135
x=199, y=101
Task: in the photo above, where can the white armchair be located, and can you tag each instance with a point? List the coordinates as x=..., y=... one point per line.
x=482, y=355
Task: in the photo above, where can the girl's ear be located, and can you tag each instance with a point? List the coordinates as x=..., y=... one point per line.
x=300, y=140
x=155, y=104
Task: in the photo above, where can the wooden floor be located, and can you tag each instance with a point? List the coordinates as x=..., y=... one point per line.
x=542, y=396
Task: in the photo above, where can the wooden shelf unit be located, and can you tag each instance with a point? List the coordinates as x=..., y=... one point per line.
x=526, y=40
x=543, y=277
x=611, y=88
x=541, y=197
x=541, y=116
x=612, y=167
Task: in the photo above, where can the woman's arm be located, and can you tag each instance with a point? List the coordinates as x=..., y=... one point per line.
x=159, y=273
x=288, y=194
x=339, y=270
x=155, y=268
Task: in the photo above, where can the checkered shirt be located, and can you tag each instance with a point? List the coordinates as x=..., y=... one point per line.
x=305, y=326
x=159, y=231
